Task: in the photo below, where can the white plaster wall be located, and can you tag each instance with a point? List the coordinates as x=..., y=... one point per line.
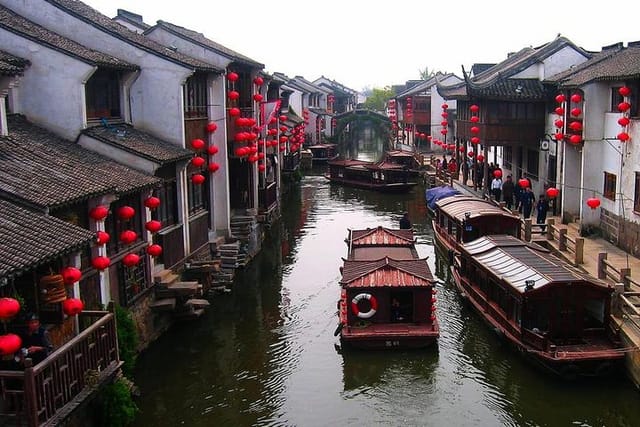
x=295, y=102
x=52, y=89
x=630, y=167
x=553, y=64
x=156, y=96
x=120, y=156
x=571, y=179
x=220, y=201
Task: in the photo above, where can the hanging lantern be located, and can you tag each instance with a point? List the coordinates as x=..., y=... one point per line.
x=445, y=106
x=559, y=123
x=102, y=238
x=623, y=136
x=9, y=307
x=576, y=98
x=153, y=226
x=100, y=262
x=575, y=139
x=523, y=182
x=497, y=173
x=213, y=167
x=232, y=77
x=560, y=98
x=559, y=111
x=258, y=81
x=283, y=117
x=212, y=150
x=475, y=140
x=444, y=123
x=9, y=344
x=461, y=149
x=99, y=213
x=470, y=154
x=624, y=91
x=474, y=119
x=257, y=97
x=575, y=112
x=474, y=108
x=475, y=129
x=211, y=127
x=444, y=115
x=128, y=236
x=72, y=306
x=131, y=260
x=234, y=112
x=126, y=213
x=623, y=121
x=233, y=95
x=593, y=202
x=480, y=158
x=575, y=126
x=624, y=106
x=552, y=192
x=152, y=202
x=559, y=136
x=197, y=161
x=261, y=167
x=197, y=179
x=444, y=131
x=154, y=250
x=71, y=275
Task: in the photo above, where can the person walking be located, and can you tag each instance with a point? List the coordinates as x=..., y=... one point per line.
x=496, y=188
x=542, y=207
x=507, y=192
x=527, y=201
x=405, y=223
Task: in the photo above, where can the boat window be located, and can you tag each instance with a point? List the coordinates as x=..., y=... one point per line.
x=401, y=306
x=593, y=313
x=515, y=311
x=536, y=317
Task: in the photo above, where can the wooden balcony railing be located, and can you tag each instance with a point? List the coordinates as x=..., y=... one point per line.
x=268, y=196
x=291, y=161
x=45, y=394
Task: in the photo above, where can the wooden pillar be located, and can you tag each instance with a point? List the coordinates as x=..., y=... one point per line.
x=551, y=222
x=30, y=396
x=602, y=256
x=562, y=239
x=579, y=250
x=527, y=229
x=624, y=273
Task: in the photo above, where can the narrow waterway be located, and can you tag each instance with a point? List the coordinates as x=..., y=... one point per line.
x=265, y=354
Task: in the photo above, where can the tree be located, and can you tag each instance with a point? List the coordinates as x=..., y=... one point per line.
x=378, y=98
x=426, y=74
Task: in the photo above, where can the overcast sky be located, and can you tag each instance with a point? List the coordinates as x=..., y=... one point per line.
x=381, y=43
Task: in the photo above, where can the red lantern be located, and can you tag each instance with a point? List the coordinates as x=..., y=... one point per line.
x=232, y=77
x=559, y=111
x=71, y=275
x=234, y=112
x=9, y=307
x=575, y=139
x=451, y=146
x=523, y=182
x=257, y=97
x=475, y=140
x=213, y=167
x=497, y=173
x=575, y=98
x=261, y=167
x=152, y=202
x=623, y=136
x=99, y=213
x=211, y=127
x=470, y=154
x=559, y=136
x=560, y=98
x=461, y=149
x=559, y=123
x=552, y=192
x=475, y=129
x=9, y=344
x=197, y=179
x=575, y=112
x=212, y=150
x=445, y=115
x=575, y=126
x=197, y=144
x=72, y=306
x=474, y=108
x=126, y=213
x=444, y=131
x=474, y=119
x=102, y=237
x=624, y=106
x=258, y=81
x=131, y=260
x=480, y=158
x=154, y=250
x=593, y=202
x=624, y=91
x=128, y=236
x=197, y=161
x=444, y=123
x=623, y=121
x=445, y=106
x=233, y=95
x=153, y=226
x=100, y=262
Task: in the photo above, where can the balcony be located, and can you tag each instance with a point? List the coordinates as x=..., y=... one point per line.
x=47, y=393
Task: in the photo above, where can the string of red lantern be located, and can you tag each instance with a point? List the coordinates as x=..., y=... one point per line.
x=624, y=108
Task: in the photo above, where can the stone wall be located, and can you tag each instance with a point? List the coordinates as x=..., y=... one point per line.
x=620, y=231
x=149, y=325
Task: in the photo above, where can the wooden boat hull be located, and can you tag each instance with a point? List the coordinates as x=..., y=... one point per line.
x=396, y=187
x=382, y=336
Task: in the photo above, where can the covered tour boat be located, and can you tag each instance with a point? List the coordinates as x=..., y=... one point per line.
x=433, y=194
x=411, y=160
x=388, y=292
x=556, y=315
x=381, y=176
x=323, y=152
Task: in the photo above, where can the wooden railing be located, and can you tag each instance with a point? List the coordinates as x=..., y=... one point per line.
x=606, y=270
x=553, y=233
x=268, y=196
x=46, y=393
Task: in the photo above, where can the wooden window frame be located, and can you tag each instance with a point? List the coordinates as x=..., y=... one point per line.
x=636, y=196
x=609, y=186
x=103, y=93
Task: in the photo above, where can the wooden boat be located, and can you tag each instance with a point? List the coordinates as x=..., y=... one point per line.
x=461, y=219
x=554, y=314
x=433, y=194
x=323, y=152
x=410, y=160
x=382, y=176
x=388, y=292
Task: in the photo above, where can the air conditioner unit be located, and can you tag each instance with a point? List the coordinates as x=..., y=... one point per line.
x=544, y=145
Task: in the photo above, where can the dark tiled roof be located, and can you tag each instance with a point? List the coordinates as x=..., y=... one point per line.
x=200, y=39
x=132, y=18
x=140, y=143
x=511, y=89
x=34, y=32
x=93, y=17
x=44, y=170
x=613, y=64
x=28, y=239
x=12, y=65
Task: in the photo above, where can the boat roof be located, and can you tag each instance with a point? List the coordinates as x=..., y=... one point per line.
x=322, y=146
x=433, y=194
x=458, y=206
x=518, y=262
x=381, y=236
x=386, y=272
x=348, y=162
x=401, y=153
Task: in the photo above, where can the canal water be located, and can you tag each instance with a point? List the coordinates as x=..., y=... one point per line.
x=266, y=355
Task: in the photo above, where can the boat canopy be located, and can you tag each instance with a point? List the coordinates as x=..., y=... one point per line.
x=432, y=195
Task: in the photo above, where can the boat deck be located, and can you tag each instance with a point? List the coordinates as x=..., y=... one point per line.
x=385, y=335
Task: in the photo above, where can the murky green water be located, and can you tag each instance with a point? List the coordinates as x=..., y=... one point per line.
x=266, y=355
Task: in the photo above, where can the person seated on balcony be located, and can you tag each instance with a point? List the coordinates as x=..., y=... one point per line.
x=36, y=340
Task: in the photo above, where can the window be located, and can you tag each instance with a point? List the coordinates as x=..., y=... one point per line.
x=103, y=94
x=133, y=281
x=636, y=196
x=507, y=159
x=532, y=163
x=195, y=96
x=196, y=197
x=166, y=213
x=609, y=191
x=114, y=225
x=616, y=98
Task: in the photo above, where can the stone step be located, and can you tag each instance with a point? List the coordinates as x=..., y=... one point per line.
x=164, y=276
x=163, y=304
x=197, y=303
x=179, y=289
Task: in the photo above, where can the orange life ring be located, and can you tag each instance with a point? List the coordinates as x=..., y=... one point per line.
x=367, y=314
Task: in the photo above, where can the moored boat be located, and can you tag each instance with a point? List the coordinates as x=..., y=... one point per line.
x=382, y=176
x=410, y=160
x=433, y=194
x=323, y=152
x=388, y=292
x=554, y=314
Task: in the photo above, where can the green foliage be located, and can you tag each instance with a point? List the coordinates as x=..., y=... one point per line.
x=117, y=408
x=127, y=339
x=426, y=74
x=378, y=98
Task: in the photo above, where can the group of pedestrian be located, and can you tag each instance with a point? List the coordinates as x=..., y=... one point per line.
x=525, y=200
